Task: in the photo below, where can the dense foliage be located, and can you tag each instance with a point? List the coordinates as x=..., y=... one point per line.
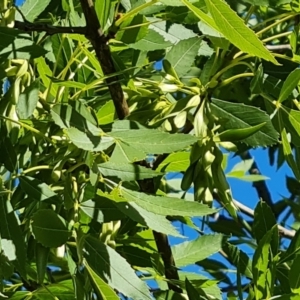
x=91, y=127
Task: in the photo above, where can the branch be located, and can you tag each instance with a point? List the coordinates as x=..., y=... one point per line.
x=278, y=48
x=99, y=42
x=289, y=234
x=260, y=186
x=47, y=28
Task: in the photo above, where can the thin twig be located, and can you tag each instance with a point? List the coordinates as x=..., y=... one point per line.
x=289, y=234
x=278, y=47
x=99, y=41
x=47, y=28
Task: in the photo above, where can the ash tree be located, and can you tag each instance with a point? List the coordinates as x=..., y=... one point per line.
x=100, y=102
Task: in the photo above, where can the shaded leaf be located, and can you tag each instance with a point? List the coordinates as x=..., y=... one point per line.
x=31, y=9
x=264, y=221
x=161, y=205
x=114, y=270
x=49, y=229
x=28, y=100
x=8, y=155
x=35, y=189
x=16, y=44
x=192, y=251
x=294, y=275
x=234, y=116
x=288, y=86
x=127, y=172
x=12, y=240
x=103, y=289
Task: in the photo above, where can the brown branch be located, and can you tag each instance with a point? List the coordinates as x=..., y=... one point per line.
x=289, y=234
x=100, y=44
x=47, y=28
x=260, y=186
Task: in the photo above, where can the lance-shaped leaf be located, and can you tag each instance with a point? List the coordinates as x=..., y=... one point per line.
x=153, y=221
x=161, y=205
x=235, y=30
x=17, y=44
x=114, y=270
x=49, y=228
x=192, y=251
x=260, y=267
x=32, y=8
x=175, y=162
x=183, y=54
x=35, y=189
x=288, y=154
x=102, y=288
x=12, y=241
x=294, y=276
x=234, y=116
x=127, y=172
x=152, y=141
x=28, y=100
x=288, y=86
x=8, y=155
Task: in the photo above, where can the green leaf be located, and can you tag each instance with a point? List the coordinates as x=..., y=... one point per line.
x=137, y=29
x=45, y=75
x=41, y=256
x=234, y=116
x=8, y=155
x=175, y=162
x=126, y=171
x=152, y=41
x=114, y=269
x=183, y=54
x=260, y=267
x=66, y=116
x=239, y=259
x=160, y=205
x=288, y=154
x=31, y=9
x=28, y=100
x=201, y=15
x=101, y=209
x=192, y=251
x=142, y=216
x=157, y=142
x=264, y=221
x=235, y=30
x=233, y=135
x=49, y=228
x=102, y=288
x=16, y=44
x=106, y=113
x=12, y=240
x=35, y=189
x=87, y=141
x=105, y=12
x=294, y=275
x=173, y=32
x=293, y=248
x=288, y=86
x=192, y=291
